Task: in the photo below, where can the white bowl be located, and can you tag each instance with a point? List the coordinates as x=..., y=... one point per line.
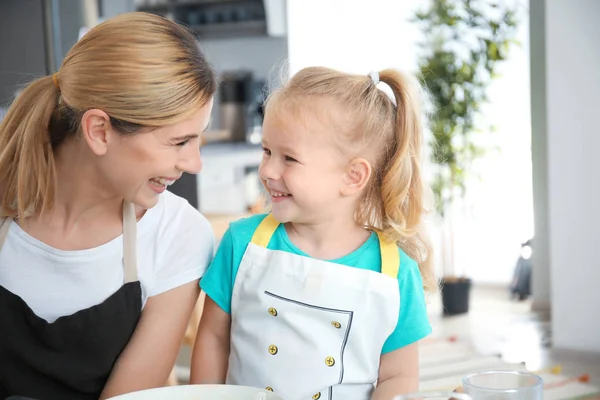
x=201, y=392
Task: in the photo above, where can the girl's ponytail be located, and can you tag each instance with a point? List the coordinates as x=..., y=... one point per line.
x=402, y=188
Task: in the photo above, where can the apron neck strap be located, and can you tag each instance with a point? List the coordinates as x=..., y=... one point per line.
x=390, y=255
x=4, y=225
x=129, y=243
x=262, y=234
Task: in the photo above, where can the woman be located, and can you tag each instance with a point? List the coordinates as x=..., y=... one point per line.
x=92, y=303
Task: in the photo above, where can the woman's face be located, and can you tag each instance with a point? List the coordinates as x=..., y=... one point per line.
x=140, y=167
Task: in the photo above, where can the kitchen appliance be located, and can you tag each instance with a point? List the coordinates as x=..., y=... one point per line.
x=240, y=109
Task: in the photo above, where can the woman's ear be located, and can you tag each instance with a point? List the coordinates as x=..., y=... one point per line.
x=356, y=176
x=96, y=129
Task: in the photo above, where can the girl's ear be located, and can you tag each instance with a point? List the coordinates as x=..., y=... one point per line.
x=356, y=176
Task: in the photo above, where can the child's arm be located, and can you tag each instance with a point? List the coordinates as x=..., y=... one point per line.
x=211, y=349
x=399, y=361
x=398, y=373
x=210, y=357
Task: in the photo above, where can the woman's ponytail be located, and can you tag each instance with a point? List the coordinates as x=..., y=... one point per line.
x=27, y=171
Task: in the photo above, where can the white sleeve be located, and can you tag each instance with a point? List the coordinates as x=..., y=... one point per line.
x=184, y=247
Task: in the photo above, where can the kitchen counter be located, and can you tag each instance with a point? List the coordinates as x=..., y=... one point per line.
x=220, y=222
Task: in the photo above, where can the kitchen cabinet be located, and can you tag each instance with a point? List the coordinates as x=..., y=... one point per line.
x=229, y=182
x=211, y=19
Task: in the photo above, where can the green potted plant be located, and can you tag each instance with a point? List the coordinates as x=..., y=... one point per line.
x=465, y=40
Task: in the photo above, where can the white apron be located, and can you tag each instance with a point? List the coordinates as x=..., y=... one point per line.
x=310, y=329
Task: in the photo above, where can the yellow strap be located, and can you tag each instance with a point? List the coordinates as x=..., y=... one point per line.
x=262, y=234
x=390, y=257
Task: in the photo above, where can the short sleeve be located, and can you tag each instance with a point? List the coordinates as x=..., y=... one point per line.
x=218, y=280
x=184, y=247
x=413, y=322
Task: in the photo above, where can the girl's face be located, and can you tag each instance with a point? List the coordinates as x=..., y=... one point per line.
x=302, y=170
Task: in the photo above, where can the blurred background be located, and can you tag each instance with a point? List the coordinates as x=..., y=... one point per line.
x=512, y=94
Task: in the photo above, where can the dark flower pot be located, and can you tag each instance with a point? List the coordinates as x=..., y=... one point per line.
x=455, y=295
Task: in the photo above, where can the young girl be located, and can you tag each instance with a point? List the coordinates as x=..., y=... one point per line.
x=324, y=297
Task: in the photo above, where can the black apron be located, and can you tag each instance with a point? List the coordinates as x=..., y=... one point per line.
x=72, y=357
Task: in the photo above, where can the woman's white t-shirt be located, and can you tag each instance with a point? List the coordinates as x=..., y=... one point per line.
x=175, y=244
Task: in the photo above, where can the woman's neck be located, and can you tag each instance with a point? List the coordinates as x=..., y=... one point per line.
x=80, y=197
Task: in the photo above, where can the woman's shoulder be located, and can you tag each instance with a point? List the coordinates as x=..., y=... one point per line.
x=179, y=241
x=175, y=213
x=174, y=219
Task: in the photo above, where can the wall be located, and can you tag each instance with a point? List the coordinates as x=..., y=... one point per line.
x=540, y=259
x=69, y=16
x=22, y=48
x=573, y=138
x=110, y=8
x=354, y=36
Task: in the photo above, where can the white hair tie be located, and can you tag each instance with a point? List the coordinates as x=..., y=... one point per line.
x=374, y=77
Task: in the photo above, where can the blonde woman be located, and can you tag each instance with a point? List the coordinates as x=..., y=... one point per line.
x=99, y=264
x=324, y=297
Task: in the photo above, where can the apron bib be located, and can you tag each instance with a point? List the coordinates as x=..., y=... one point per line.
x=72, y=357
x=310, y=329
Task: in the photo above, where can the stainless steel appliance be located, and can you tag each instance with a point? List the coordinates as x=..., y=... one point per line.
x=240, y=110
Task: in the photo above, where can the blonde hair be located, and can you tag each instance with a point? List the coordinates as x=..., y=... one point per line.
x=395, y=198
x=143, y=70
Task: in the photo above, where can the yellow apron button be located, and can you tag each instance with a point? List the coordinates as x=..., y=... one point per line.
x=269, y=388
x=317, y=396
x=273, y=349
x=336, y=325
x=329, y=361
x=273, y=311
